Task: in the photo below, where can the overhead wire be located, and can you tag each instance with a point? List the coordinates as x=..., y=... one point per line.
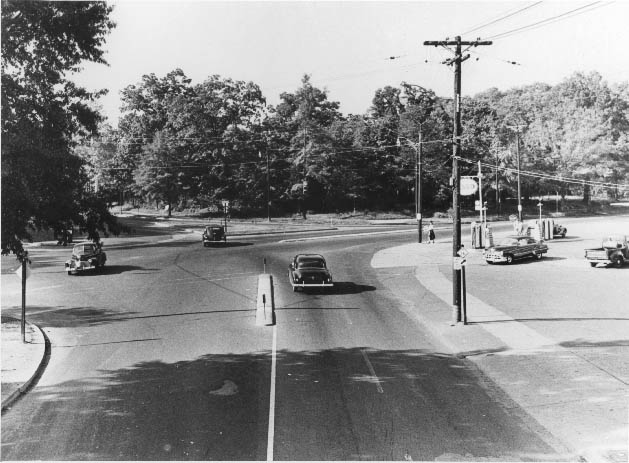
x=574, y=12
x=501, y=18
x=543, y=176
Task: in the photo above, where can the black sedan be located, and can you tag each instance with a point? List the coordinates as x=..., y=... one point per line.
x=515, y=247
x=309, y=271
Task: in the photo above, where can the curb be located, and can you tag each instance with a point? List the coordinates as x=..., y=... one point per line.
x=24, y=388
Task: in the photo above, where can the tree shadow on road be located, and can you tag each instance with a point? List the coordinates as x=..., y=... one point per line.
x=228, y=244
x=361, y=403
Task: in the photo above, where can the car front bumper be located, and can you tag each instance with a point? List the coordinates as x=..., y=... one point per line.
x=491, y=257
x=79, y=266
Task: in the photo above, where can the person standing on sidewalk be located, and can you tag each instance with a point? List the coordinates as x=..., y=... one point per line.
x=431, y=233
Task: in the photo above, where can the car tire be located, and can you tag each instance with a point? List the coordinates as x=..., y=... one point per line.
x=593, y=264
x=538, y=255
x=69, y=273
x=618, y=262
x=509, y=258
x=563, y=235
x=489, y=262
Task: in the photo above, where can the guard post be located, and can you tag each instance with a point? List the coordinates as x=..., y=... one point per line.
x=265, y=308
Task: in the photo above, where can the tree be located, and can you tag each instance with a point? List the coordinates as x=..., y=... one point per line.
x=43, y=114
x=196, y=143
x=307, y=115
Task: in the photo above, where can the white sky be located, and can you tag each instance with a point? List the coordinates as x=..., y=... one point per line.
x=345, y=45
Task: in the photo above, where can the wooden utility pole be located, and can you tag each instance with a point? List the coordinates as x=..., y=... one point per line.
x=456, y=154
x=418, y=186
x=517, y=153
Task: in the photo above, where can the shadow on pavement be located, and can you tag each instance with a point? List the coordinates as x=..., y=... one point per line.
x=555, y=319
x=115, y=270
x=228, y=244
x=215, y=407
x=583, y=343
x=69, y=317
x=348, y=287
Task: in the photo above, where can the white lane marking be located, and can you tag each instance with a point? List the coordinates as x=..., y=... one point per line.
x=372, y=371
x=271, y=435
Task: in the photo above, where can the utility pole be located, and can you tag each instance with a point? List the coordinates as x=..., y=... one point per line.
x=268, y=186
x=517, y=153
x=268, y=189
x=480, y=194
x=497, y=188
x=456, y=154
x=418, y=186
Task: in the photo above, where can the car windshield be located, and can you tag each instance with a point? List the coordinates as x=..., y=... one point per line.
x=508, y=242
x=83, y=249
x=613, y=241
x=314, y=263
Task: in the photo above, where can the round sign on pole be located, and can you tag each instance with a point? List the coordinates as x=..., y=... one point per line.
x=468, y=186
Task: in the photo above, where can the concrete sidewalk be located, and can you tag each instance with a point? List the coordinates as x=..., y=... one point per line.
x=22, y=362
x=589, y=421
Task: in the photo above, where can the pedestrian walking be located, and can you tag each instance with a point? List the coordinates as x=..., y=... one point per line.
x=431, y=233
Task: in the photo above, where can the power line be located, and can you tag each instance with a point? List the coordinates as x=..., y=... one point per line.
x=501, y=18
x=543, y=176
x=543, y=22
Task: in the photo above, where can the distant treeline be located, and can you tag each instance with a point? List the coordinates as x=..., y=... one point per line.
x=185, y=145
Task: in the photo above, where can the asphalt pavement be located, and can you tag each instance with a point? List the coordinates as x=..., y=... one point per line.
x=580, y=426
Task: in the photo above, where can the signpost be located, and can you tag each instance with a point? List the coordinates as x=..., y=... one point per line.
x=459, y=264
x=23, y=272
x=225, y=207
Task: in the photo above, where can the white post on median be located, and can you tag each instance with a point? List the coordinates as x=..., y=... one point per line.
x=265, y=308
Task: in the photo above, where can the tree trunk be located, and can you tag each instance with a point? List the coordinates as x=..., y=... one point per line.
x=586, y=194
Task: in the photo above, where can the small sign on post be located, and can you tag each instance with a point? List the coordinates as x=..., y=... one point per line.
x=468, y=186
x=21, y=271
x=458, y=262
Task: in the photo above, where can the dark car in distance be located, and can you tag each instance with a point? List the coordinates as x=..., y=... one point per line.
x=213, y=233
x=559, y=230
x=309, y=271
x=515, y=247
x=86, y=256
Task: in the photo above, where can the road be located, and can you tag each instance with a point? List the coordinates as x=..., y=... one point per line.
x=159, y=358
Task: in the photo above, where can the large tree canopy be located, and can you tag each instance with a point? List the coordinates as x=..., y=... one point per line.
x=44, y=113
x=202, y=143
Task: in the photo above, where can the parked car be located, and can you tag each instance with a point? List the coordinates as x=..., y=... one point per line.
x=515, y=247
x=309, y=271
x=213, y=233
x=86, y=256
x=614, y=250
x=559, y=230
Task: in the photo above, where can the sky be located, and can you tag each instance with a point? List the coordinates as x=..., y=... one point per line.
x=346, y=46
